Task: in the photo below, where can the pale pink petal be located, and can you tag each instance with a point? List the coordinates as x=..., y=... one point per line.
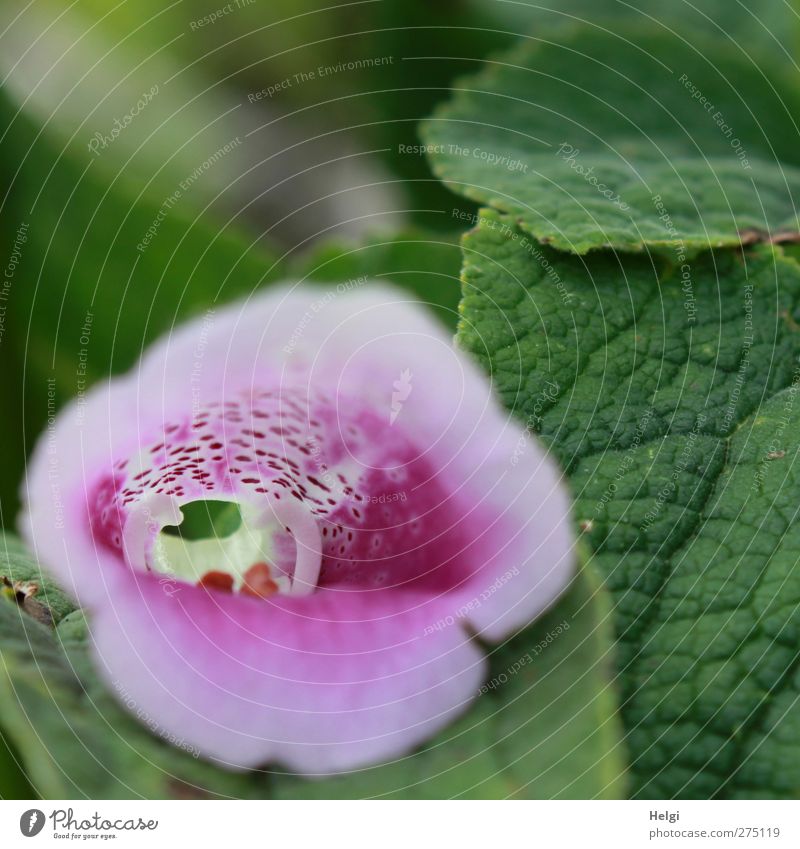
x=317, y=685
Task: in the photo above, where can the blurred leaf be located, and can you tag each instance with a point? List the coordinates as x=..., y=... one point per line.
x=767, y=24
x=17, y=565
x=13, y=781
x=207, y=520
x=427, y=265
x=111, y=91
x=362, y=72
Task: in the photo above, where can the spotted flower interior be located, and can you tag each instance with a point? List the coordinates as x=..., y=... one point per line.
x=328, y=500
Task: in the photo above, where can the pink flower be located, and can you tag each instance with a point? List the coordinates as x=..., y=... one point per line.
x=391, y=511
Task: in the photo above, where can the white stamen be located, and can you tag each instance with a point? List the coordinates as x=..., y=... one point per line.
x=307, y=540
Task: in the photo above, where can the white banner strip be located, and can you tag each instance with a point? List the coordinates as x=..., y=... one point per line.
x=403, y=825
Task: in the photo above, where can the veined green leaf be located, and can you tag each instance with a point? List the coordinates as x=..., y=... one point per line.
x=670, y=394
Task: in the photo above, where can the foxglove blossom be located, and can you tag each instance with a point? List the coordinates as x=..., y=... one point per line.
x=382, y=491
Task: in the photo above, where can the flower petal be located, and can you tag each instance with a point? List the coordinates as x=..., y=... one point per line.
x=320, y=684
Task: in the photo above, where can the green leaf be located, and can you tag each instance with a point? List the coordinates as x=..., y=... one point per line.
x=545, y=726
x=670, y=397
x=13, y=781
x=17, y=566
x=627, y=138
x=207, y=520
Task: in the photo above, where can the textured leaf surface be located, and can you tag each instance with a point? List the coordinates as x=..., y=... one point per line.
x=546, y=727
x=626, y=138
x=673, y=403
